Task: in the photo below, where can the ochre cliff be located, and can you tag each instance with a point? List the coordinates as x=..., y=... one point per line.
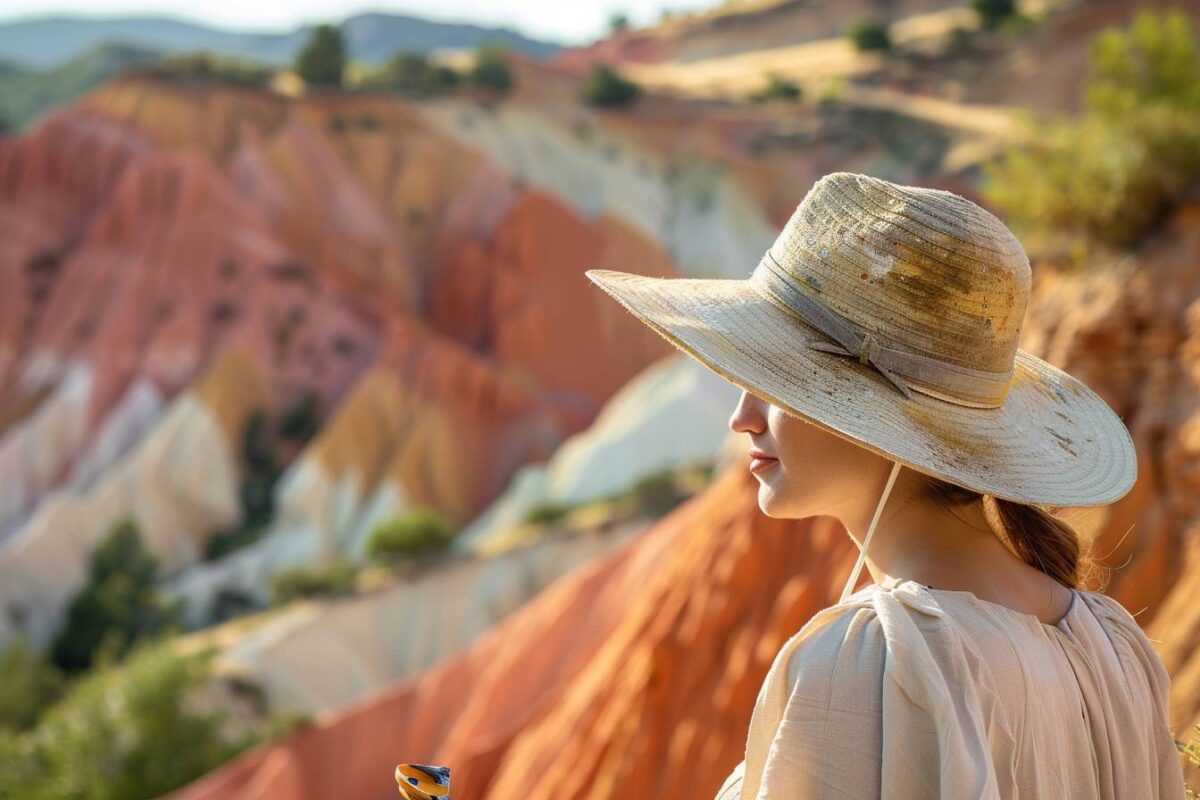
x=592, y=684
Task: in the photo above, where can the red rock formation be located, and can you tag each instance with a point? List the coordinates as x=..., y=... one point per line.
x=440, y=422
x=157, y=224
x=521, y=296
x=48, y=194
x=638, y=669
x=177, y=267
x=641, y=46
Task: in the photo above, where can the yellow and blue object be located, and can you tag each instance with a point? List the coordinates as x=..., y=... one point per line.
x=423, y=782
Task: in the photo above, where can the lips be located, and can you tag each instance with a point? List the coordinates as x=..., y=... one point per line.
x=760, y=460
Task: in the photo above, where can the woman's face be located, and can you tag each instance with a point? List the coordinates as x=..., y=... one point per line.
x=814, y=471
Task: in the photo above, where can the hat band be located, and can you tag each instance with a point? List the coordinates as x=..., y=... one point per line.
x=904, y=370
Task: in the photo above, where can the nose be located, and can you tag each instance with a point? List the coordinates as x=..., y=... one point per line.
x=750, y=415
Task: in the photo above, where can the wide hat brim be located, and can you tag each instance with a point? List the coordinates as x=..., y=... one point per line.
x=1052, y=442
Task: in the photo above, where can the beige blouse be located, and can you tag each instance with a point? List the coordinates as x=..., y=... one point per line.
x=904, y=692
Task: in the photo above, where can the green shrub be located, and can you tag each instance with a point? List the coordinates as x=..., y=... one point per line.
x=777, y=88
x=316, y=580
x=1115, y=173
x=960, y=42
x=260, y=470
x=606, y=87
x=413, y=74
x=119, y=600
x=1018, y=23
x=658, y=493
x=214, y=66
x=992, y=13
x=28, y=683
x=1154, y=62
x=869, y=33
x=418, y=531
x=1190, y=753
x=128, y=732
x=322, y=62
x=302, y=419
x=547, y=512
x=491, y=70
x=832, y=90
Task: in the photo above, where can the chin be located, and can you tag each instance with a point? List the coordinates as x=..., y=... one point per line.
x=766, y=503
x=776, y=506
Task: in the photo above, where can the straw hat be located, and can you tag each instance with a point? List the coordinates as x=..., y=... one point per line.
x=889, y=315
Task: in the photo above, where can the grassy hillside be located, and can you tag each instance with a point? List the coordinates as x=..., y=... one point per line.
x=25, y=93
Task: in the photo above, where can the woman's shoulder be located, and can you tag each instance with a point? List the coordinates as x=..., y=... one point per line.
x=879, y=648
x=1127, y=635
x=1110, y=609
x=843, y=649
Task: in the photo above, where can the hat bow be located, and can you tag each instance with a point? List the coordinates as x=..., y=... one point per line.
x=867, y=350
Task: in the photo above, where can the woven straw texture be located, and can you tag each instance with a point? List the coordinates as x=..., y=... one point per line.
x=925, y=272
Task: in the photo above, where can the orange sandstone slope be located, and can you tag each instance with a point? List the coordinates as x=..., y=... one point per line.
x=592, y=684
x=512, y=297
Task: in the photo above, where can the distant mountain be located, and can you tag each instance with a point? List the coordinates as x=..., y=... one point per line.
x=45, y=42
x=9, y=70
x=374, y=37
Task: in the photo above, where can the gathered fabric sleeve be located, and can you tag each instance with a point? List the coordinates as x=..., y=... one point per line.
x=829, y=741
x=731, y=789
x=1148, y=671
x=869, y=713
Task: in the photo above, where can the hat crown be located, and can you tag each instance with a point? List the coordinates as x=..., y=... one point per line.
x=922, y=270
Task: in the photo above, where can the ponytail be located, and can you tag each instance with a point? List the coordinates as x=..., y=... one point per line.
x=1034, y=535
x=1041, y=539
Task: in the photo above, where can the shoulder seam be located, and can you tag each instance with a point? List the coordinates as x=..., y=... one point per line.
x=1111, y=607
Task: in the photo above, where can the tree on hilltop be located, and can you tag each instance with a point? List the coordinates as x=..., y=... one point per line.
x=323, y=59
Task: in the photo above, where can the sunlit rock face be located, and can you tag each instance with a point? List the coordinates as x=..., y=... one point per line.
x=696, y=606
x=674, y=413
x=446, y=439
x=709, y=221
x=176, y=483
x=321, y=656
x=738, y=28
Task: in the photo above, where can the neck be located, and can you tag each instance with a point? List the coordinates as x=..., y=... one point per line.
x=921, y=539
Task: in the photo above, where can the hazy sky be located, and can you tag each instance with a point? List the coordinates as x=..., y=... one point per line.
x=567, y=21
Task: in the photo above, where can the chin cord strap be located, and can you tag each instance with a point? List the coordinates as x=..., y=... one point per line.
x=862, y=553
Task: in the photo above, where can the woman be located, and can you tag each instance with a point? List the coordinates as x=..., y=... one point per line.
x=878, y=332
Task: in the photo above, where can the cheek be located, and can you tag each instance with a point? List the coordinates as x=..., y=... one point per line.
x=796, y=443
x=809, y=453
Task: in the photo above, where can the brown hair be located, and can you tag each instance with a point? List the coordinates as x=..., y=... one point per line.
x=1043, y=540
